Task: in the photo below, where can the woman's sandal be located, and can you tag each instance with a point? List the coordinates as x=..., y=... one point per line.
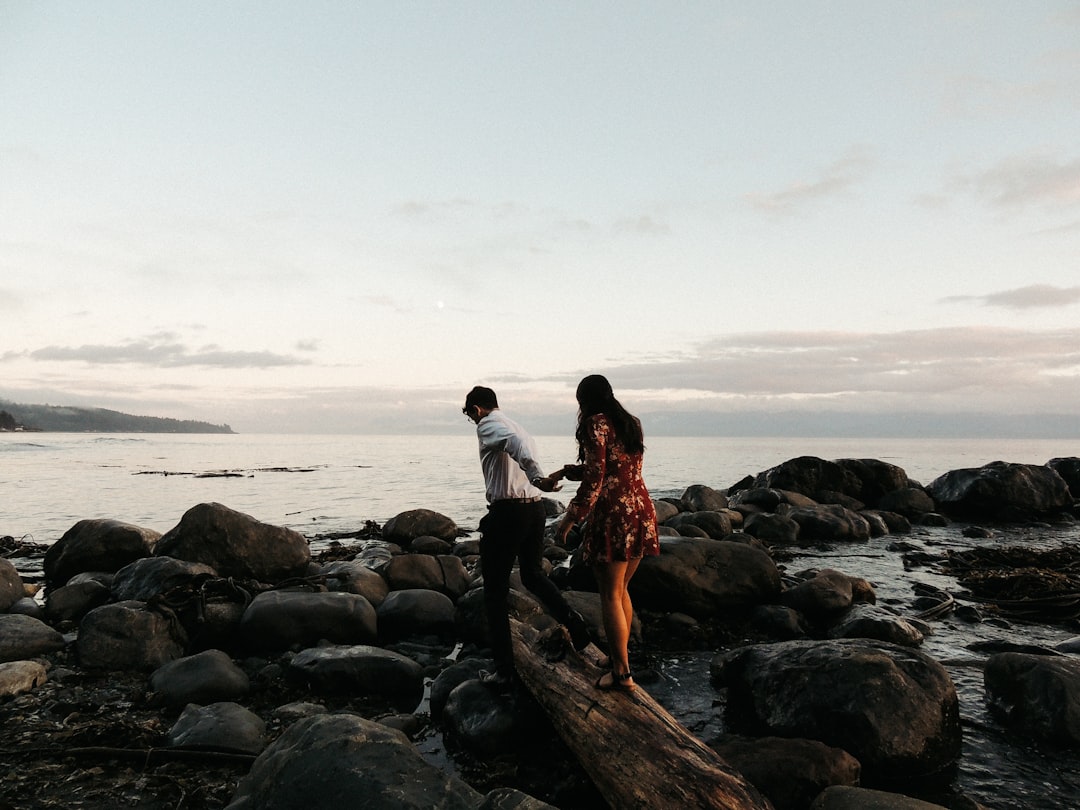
x=620, y=683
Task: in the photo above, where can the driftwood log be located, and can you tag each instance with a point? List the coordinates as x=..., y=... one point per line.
x=637, y=754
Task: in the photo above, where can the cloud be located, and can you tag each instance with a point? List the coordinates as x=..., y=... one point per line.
x=161, y=354
x=1033, y=296
x=835, y=180
x=954, y=368
x=9, y=299
x=1025, y=180
x=644, y=225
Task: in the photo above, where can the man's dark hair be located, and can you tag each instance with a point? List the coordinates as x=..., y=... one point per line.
x=484, y=397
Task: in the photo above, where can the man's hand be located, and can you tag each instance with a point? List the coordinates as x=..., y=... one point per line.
x=548, y=484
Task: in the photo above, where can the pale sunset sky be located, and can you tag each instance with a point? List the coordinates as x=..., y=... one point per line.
x=339, y=216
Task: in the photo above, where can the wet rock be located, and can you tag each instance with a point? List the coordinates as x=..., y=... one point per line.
x=11, y=585
x=430, y=545
x=872, y=621
x=830, y=522
x=481, y=719
x=665, y=510
x=1069, y=470
x=355, y=577
x=716, y=525
x=206, y=677
x=128, y=636
x=770, y=528
x=893, y=708
x=703, y=578
x=235, y=544
x=511, y=799
x=842, y=797
x=73, y=601
x=97, y=545
x=415, y=611
x=26, y=637
x=346, y=761
x=1036, y=694
x=282, y=620
x=17, y=677
x=361, y=670
x=1001, y=491
x=778, y=621
x=701, y=498
x=224, y=726
x=826, y=594
x=450, y=678
x=144, y=579
x=406, y=526
x=789, y=772
x=911, y=502
x=28, y=606
x=445, y=573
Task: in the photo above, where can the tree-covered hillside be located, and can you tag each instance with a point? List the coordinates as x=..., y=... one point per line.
x=62, y=418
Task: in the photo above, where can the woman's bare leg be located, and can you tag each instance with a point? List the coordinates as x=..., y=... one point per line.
x=611, y=579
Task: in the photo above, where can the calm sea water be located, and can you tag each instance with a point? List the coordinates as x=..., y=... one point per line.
x=324, y=484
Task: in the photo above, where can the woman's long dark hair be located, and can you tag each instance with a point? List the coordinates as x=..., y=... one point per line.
x=594, y=396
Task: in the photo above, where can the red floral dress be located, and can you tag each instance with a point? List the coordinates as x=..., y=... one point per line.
x=621, y=519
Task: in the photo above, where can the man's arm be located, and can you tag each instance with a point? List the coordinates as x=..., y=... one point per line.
x=497, y=435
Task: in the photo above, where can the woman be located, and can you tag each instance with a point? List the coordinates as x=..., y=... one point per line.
x=621, y=525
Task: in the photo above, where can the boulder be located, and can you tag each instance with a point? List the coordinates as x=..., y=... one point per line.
x=789, y=772
x=846, y=797
x=445, y=573
x=830, y=522
x=770, y=528
x=893, y=708
x=96, y=545
x=828, y=593
x=873, y=621
x=361, y=670
x=808, y=475
x=144, y=579
x=449, y=679
x=282, y=620
x=11, y=585
x=911, y=502
x=206, y=677
x=28, y=606
x=235, y=544
x=24, y=636
x=354, y=577
x=700, y=498
x=430, y=545
x=415, y=612
x=126, y=635
x=1038, y=695
x=403, y=528
x=481, y=720
x=17, y=677
x=704, y=578
x=1001, y=491
x=716, y=525
x=1069, y=470
x=224, y=726
x=665, y=510
x=346, y=761
x=73, y=601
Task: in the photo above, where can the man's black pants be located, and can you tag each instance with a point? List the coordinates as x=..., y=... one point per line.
x=514, y=530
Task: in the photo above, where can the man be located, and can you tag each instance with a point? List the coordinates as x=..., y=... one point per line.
x=513, y=527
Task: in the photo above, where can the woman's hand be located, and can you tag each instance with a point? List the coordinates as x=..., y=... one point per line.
x=548, y=484
x=573, y=472
x=564, y=530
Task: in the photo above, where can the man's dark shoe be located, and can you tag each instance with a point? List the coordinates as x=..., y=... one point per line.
x=578, y=628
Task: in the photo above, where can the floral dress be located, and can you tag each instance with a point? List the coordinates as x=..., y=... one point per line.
x=621, y=521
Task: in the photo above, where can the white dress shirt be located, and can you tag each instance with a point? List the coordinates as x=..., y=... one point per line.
x=508, y=459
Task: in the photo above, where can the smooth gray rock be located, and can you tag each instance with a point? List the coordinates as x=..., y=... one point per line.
x=206, y=677
x=282, y=620
x=345, y=761
x=235, y=544
x=17, y=677
x=11, y=585
x=403, y=528
x=24, y=637
x=361, y=669
x=97, y=545
x=1036, y=694
x=126, y=635
x=224, y=726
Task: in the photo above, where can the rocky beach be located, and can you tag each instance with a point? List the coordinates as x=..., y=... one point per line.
x=850, y=630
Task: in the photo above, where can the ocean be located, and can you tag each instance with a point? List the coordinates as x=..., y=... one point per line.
x=321, y=485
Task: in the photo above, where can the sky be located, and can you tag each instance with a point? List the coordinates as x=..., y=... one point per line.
x=338, y=217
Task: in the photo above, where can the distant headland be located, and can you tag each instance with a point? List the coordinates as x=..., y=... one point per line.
x=67, y=419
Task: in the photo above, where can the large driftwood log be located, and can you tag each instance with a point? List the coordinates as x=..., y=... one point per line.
x=636, y=753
